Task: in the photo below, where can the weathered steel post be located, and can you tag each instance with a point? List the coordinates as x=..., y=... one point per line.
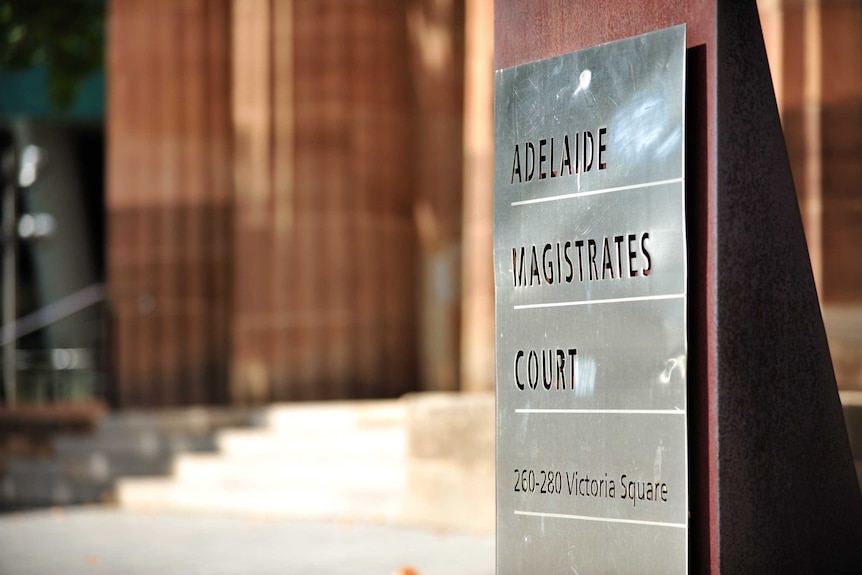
x=771, y=482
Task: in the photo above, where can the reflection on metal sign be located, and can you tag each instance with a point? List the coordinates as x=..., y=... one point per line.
x=590, y=271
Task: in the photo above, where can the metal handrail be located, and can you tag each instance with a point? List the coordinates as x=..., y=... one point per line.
x=52, y=313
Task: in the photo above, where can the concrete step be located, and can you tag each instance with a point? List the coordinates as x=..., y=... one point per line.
x=193, y=420
x=432, y=493
x=368, y=444
x=851, y=401
x=84, y=467
x=334, y=416
x=382, y=505
x=141, y=444
x=289, y=475
x=95, y=467
x=450, y=494
x=344, y=460
x=457, y=426
x=40, y=490
x=427, y=460
x=844, y=329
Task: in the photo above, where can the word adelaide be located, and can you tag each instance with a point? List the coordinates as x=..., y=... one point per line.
x=577, y=154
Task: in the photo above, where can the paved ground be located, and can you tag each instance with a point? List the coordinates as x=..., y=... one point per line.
x=104, y=540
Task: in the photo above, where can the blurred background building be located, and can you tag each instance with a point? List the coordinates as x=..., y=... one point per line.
x=815, y=55
x=284, y=198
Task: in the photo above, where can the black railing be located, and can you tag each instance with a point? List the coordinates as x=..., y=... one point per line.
x=62, y=374
x=59, y=375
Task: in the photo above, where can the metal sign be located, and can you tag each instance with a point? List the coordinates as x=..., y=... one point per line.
x=590, y=271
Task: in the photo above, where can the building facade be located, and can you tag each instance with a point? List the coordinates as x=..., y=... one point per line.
x=299, y=194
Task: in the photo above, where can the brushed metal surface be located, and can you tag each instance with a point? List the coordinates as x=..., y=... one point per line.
x=590, y=271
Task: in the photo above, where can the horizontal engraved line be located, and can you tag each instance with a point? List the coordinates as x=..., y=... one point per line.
x=606, y=411
x=601, y=519
x=597, y=301
x=596, y=192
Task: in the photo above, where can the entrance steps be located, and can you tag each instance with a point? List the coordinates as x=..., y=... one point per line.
x=83, y=467
x=425, y=459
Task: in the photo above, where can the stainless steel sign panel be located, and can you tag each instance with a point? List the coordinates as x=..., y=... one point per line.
x=590, y=270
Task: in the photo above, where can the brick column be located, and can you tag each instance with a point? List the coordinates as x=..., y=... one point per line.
x=168, y=198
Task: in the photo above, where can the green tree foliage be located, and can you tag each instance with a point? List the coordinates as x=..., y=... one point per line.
x=67, y=37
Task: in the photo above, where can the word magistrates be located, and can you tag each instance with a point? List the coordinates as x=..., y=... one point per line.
x=614, y=257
